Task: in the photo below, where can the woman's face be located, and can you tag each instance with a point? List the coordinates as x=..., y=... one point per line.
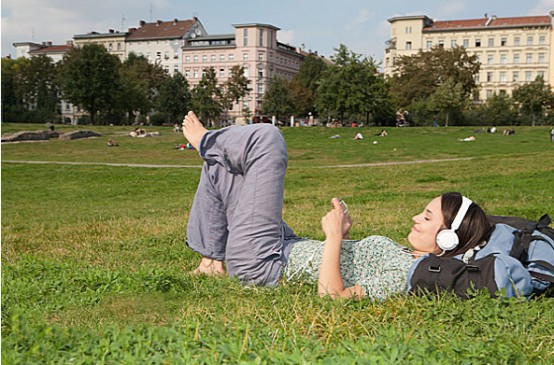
x=426, y=226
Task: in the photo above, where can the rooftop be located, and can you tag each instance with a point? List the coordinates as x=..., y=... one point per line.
x=161, y=30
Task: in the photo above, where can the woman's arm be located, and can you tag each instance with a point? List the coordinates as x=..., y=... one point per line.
x=335, y=223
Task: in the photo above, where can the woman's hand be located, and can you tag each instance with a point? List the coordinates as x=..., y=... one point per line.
x=336, y=222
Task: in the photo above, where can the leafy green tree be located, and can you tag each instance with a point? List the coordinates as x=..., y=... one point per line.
x=278, y=99
x=90, y=79
x=12, y=101
x=448, y=97
x=37, y=84
x=175, y=97
x=351, y=86
x=206, y=96
x=534, y=98
x=235, y=88
x=500, y=110
x=140, y=84
x=305, y=83
x=417, y=77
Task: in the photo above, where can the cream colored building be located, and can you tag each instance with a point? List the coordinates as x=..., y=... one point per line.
x=113, y=41
x=512, y=51
x=253, y=46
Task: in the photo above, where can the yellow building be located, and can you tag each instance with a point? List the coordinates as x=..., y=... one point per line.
x=512, y=51
x=113, y=41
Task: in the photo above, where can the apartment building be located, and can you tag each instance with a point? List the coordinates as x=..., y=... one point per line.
x=162, y=42
x=113, y=41
x=254, y=47
x=512, y=51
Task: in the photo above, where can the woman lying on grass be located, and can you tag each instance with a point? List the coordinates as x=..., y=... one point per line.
x=236, y=217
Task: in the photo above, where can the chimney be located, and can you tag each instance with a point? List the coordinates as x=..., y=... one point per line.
x=110, y=30
x=158, y=22
x=195, y=18
x=175, y=21
x=69, y=43
x=49, y=44
x=141, y=23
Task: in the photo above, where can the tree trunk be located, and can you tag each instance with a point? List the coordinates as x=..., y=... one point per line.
x=446, y=119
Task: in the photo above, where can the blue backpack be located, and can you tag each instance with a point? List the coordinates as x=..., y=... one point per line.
x=517, y=261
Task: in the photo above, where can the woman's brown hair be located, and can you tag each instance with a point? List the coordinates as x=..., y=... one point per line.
x=475, y=227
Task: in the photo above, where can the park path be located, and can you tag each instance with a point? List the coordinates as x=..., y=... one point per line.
x=347, y=166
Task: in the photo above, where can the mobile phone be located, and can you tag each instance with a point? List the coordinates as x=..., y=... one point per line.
x=343, y=205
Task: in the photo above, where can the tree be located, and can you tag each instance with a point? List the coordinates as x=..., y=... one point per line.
x=278, y=99
x=534, y=98
x=448, y=97
x=352, y=85
x=12, y=101
x=175, y=97
x=417, y=77
x=305, y=83
x=38, y=86
x=90, y=79
x=235, y=88
x=500, y=110
x=206, y=96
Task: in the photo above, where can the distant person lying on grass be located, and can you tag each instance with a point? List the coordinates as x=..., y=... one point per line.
x=236, y=217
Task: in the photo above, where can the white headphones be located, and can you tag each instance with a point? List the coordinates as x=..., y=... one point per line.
x=447, y=239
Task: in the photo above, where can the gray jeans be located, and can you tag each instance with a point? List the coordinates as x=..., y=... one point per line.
x=236, y=214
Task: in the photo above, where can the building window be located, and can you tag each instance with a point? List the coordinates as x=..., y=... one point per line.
x=260, y=56
x=148, y=57
x=540, y=74
x=515, y=76
x=408, y=30
x=490, y=59
x=231, y=57
x=528, y=58
x=503, y=76
x=542, y=58
x=245, y=56
x=466, y=43
x=542, y=40
x=213, y=58
x=175, y=68
x=245, y=37
x=408, y=45
x=491, y=42
x=489, y=94
x=222, y=57
x=528, y=76
x=478, y=42
x=158, y=56
x=441, y=43
x=176, y=56
x=260, y=73
x=195, y=59
x=261, y=38
x=204, y=58
x=453, y=43
x=503, y=58
x=221, y=72
x=477, y=78
x=260, y=88
x=166, y=55
x=516, y=57
x=110, y=47
x=530, y=40
x=246, y=72
x=489, y=76
x=429, y=44
x=195, y=74
x=187, y=59
x=516, y=41
x=503, y=41
x=187, y=73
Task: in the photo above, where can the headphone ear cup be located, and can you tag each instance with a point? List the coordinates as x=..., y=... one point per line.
x=447, y=240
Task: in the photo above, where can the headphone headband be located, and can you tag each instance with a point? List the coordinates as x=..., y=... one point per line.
x=461, y=213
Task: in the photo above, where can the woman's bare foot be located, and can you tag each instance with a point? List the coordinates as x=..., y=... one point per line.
x=193, y=130
x=209, y=267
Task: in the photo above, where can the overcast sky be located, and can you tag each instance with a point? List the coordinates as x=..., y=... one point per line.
x=319, y=25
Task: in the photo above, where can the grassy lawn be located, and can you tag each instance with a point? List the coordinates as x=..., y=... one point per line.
x=94, y=266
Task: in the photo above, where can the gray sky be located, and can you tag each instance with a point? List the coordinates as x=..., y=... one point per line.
x=319, y=25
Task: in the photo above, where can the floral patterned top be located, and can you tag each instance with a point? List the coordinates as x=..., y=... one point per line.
x=378, y=264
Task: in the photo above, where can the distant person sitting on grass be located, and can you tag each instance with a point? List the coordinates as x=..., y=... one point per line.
x=552, y=135
x=236, y=218
x=112, y=143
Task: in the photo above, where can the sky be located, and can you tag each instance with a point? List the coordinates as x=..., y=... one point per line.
x=316, y=25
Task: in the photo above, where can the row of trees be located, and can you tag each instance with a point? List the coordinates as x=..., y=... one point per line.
x=434, y=85
x=115, y=91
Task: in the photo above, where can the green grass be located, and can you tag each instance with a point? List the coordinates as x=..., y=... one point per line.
x=94, y=266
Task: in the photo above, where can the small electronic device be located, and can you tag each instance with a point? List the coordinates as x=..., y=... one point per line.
x=343, y=206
